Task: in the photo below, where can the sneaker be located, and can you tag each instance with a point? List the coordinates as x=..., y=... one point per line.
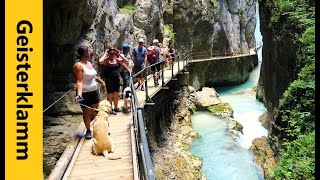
x=142, y=87
x=88, y=135
x=113, y=112
x=120, y=96
x=117, y=110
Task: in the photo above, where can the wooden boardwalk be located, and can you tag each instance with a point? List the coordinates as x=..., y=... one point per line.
x=82, y=164
x=85, y=165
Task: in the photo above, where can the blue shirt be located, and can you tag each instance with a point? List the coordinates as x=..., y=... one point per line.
x=139, y=54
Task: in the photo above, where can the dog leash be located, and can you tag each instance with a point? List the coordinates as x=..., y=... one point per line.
x=95, y=109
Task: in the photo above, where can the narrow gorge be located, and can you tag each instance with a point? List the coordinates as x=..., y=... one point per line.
x=197, y=29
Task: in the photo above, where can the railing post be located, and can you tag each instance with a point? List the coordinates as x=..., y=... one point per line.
x=172, y=70
x=162, y=73
x=145, y=83
x=178, y=64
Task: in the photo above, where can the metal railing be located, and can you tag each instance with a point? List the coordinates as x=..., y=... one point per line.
x=145, y=168
x=144, y=158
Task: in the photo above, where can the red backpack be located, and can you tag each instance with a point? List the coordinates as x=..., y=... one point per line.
x=151, y=57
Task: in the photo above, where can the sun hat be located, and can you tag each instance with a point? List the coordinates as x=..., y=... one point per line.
x=155, y=41
x=151, y=48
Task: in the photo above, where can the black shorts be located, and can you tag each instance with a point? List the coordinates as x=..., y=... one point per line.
x=112, y=84
x=173, y=58
x=90, y=98
x=156, y=67
x=136, y=69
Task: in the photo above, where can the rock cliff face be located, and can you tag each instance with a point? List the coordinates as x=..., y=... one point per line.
x=279, y=66
x=222, y=72
x=98, y=23
x=215, y=26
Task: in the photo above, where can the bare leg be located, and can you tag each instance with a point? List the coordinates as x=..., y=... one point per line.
x=86, y=117
x=115, y=99
x=109, y=98
x=95, y=112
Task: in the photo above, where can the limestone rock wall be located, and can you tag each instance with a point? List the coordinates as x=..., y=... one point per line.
x=221, y=72
x=97, y=23
x=279, y=65
x=215, y=26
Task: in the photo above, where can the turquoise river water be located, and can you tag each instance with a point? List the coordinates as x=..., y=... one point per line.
x=225, y=157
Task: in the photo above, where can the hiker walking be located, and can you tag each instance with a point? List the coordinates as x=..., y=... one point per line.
x=125, y=74
x=139, y=57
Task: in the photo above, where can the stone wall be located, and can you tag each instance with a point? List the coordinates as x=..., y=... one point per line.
x=214, y=26
x=224, y=72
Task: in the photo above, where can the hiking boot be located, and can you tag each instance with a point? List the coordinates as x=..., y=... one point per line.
x=88, y=134
x=113, y=112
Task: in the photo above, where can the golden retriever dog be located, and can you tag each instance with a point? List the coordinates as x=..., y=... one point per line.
x=102, y=142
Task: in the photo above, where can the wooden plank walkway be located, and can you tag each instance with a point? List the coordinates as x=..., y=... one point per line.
x=85, y=165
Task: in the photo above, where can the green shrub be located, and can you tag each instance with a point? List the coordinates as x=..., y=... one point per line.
x=297, y=159
x=128, y=8
x=296, y=110
x=168, y=28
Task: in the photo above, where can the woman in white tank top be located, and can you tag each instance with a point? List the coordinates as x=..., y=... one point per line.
x=87, y=88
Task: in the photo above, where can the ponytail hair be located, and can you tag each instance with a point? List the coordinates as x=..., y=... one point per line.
x=81, y=51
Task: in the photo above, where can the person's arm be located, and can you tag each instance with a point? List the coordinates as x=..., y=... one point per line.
x=163, y=52
x=133, y=56
x=78, y=71
x=102, y=83
x=123, y=58
x=125, y=66
x=145, y=58
x=103, y=57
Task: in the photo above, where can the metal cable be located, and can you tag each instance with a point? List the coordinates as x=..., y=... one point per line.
x=57, y=100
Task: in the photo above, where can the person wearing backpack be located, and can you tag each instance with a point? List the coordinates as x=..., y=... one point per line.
x=139, y=57
x=125, y=74
x=155, y=56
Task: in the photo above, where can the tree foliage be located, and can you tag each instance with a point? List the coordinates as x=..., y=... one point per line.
x=297, y=106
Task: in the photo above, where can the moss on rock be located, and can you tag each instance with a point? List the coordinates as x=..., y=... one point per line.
x=222, y=109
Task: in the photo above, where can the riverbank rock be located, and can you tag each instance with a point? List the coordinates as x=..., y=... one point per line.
x=173, y=160
x=234, y=127
x=57, y=134
x=247, y=91
x=265, y=120
x=222, y=109
x=264, y=156
x=205, y=98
